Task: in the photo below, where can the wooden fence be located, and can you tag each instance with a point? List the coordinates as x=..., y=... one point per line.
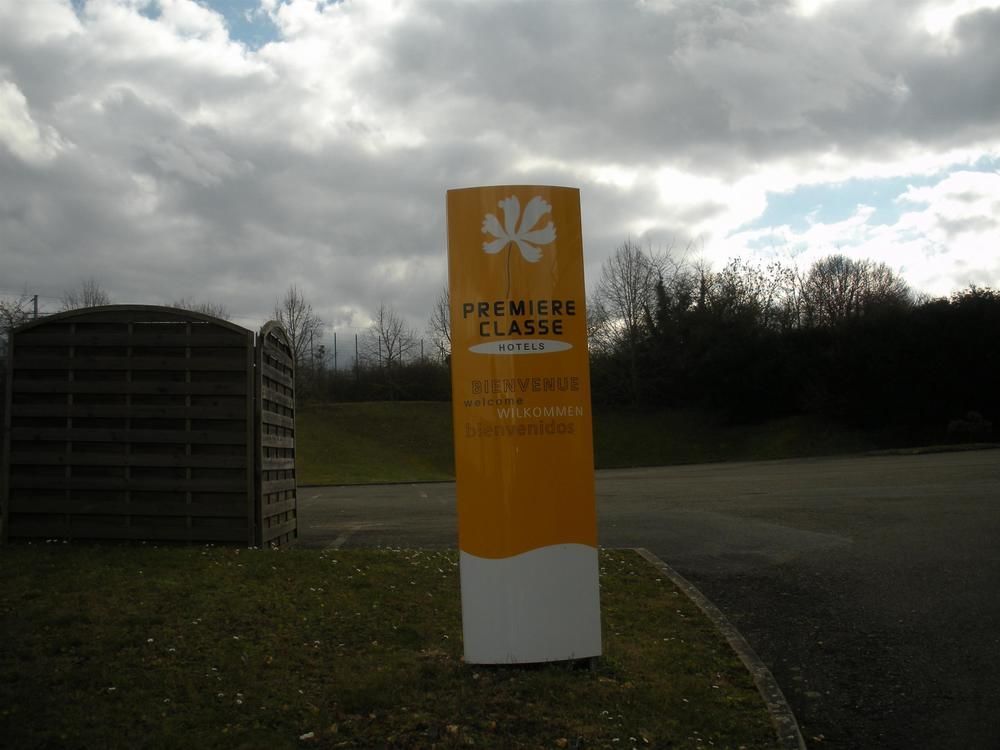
x=136, y=422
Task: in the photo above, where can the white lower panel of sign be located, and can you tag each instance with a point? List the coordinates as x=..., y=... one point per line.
x=542, y=605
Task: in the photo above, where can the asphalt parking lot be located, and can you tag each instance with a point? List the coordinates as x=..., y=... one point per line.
x=870, y=586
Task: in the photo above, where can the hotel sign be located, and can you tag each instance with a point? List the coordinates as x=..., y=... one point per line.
x=522, y=425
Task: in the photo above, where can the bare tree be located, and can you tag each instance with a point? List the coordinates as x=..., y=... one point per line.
x=599, y=329
x=87, y=293
x=215, y=309
x=439, y=325
x=625, y=300
x=838, y=288
x=626, y=290
x=13, y=312
x=754, y=292
x=301, y=324
x=884, y=288
x=389, y=340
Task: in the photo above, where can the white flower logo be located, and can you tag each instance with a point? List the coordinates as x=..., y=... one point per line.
x=525, y=236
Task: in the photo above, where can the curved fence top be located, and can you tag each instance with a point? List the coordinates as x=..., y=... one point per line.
x=273, y=327
x=134, y=313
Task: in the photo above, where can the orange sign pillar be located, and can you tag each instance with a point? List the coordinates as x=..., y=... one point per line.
x=527, y=528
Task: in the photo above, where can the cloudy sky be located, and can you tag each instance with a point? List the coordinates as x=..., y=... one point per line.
x=223, y=150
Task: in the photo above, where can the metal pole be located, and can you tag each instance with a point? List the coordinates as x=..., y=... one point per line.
x=334, y=351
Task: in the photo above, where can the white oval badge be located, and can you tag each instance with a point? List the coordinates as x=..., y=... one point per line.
x=521, y=346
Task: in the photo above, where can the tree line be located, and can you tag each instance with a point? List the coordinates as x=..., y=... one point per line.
x=845, y=339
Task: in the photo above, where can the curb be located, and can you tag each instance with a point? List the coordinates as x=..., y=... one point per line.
x=923, y=450
x=785, y=725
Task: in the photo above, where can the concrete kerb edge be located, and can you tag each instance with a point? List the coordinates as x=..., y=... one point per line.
x=785, y=725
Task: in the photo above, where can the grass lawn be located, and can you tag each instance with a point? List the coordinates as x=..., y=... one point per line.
x=129, y=646
x=625, y=438
x=352, y=443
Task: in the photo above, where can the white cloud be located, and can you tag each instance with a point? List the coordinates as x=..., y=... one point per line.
x=25, y=138
x=944, y=241
x=190, y=20
x=939, y=18
x=959, y=219
x=812, y=7
x=40, y=21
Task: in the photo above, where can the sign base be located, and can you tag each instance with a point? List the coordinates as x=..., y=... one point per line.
x=538, y=606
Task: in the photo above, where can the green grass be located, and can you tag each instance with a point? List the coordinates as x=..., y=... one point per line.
x=352, y=443
x=124, y=646
x=627, y=438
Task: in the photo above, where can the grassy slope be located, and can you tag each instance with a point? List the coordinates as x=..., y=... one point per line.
x=624, y=438
x=133, y=646
x=353, y=443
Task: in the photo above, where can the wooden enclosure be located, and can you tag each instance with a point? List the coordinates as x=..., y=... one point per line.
x=137, y=422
